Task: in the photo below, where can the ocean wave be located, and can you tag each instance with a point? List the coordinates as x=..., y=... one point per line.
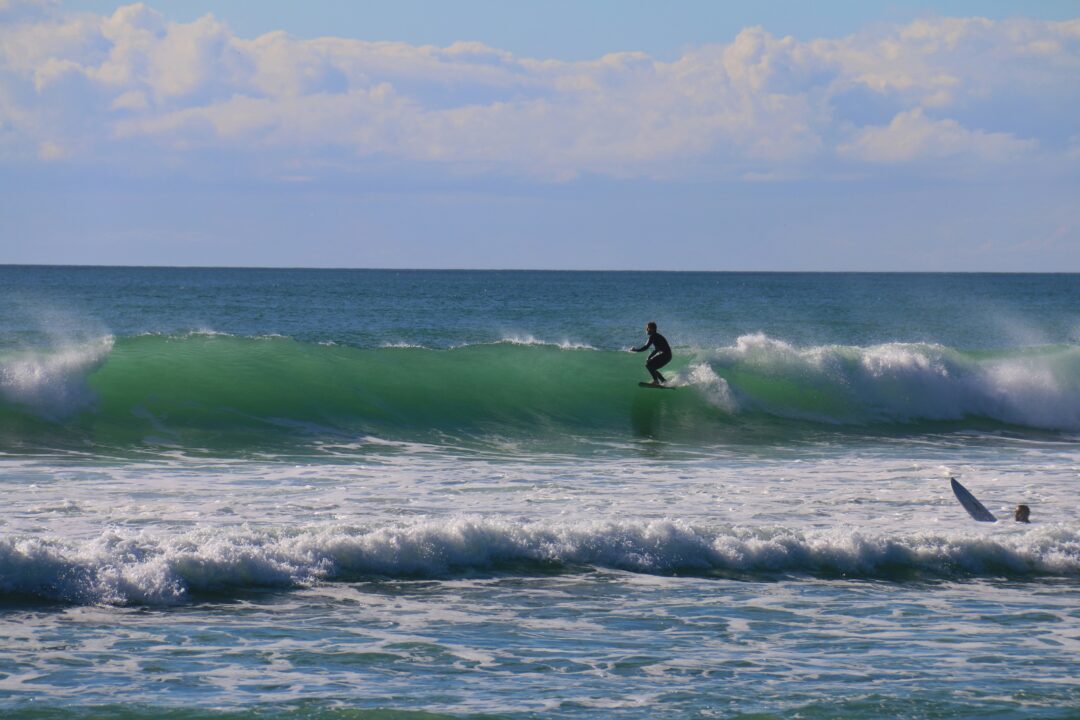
x=146, y=568
x=222, y=391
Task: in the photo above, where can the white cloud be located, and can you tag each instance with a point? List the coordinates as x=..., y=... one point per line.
x=758, y=107
x=912, y=136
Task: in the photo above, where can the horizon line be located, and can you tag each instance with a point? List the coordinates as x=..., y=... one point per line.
x=322, y=268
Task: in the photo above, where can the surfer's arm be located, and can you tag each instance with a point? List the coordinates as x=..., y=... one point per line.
x=643, y=348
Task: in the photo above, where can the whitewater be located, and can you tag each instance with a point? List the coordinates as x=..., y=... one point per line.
x=373, y=494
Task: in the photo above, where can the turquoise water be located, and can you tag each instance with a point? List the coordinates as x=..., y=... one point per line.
x=383, y=494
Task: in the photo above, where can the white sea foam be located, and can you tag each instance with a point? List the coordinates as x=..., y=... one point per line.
x=1038, y=387
x=715, y=388
x=530, y=340
x=524, y=340
x=52, y=382
x=144, y=568
x=183, y=334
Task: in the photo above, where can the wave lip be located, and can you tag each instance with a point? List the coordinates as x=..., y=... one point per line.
x=140, y=568
x=52, y=383
x=904, y=382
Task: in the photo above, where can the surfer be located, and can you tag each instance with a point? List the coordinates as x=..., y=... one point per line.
x=1022, y=514
x=659, y=357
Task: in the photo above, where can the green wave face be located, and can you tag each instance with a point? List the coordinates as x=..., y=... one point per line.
x=233, y=394
x=229, y=393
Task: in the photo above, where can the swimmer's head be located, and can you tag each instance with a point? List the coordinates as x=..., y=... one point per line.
x=1022, y=514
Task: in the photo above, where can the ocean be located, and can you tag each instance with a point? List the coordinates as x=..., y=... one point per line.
x=441, y=494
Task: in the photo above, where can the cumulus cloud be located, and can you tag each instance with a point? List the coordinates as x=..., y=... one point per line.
x=81, y=85
x=913, y=136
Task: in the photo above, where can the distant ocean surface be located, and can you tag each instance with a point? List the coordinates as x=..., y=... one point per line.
x=442, y=494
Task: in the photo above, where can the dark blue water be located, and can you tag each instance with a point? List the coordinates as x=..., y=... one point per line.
x=368, y=308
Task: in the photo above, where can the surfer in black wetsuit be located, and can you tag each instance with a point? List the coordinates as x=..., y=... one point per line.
x=659, y=357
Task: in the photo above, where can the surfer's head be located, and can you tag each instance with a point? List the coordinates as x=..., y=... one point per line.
x=1022, y=514
x=650, y=327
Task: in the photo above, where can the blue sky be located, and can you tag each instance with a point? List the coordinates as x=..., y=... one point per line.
x=576, y=29
x=623, y=135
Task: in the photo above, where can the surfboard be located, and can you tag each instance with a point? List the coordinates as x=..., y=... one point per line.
x=975, y=508
x=655, y=387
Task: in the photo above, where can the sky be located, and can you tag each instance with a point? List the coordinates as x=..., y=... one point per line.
x=888, y=136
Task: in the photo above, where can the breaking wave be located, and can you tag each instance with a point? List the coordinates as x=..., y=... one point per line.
x=53, y=382
x=143, y=568
x=1037, y=387
x=220, y=391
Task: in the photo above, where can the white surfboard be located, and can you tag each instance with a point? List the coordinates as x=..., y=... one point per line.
x=975, y=508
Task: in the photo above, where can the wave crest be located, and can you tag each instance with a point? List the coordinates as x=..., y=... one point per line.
x=52, y=383
x=904, y=382
x=142, y=568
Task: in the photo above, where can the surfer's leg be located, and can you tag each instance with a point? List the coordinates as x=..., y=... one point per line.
x=652, y=365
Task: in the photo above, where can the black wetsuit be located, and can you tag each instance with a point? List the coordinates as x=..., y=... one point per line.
x=658, y=358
